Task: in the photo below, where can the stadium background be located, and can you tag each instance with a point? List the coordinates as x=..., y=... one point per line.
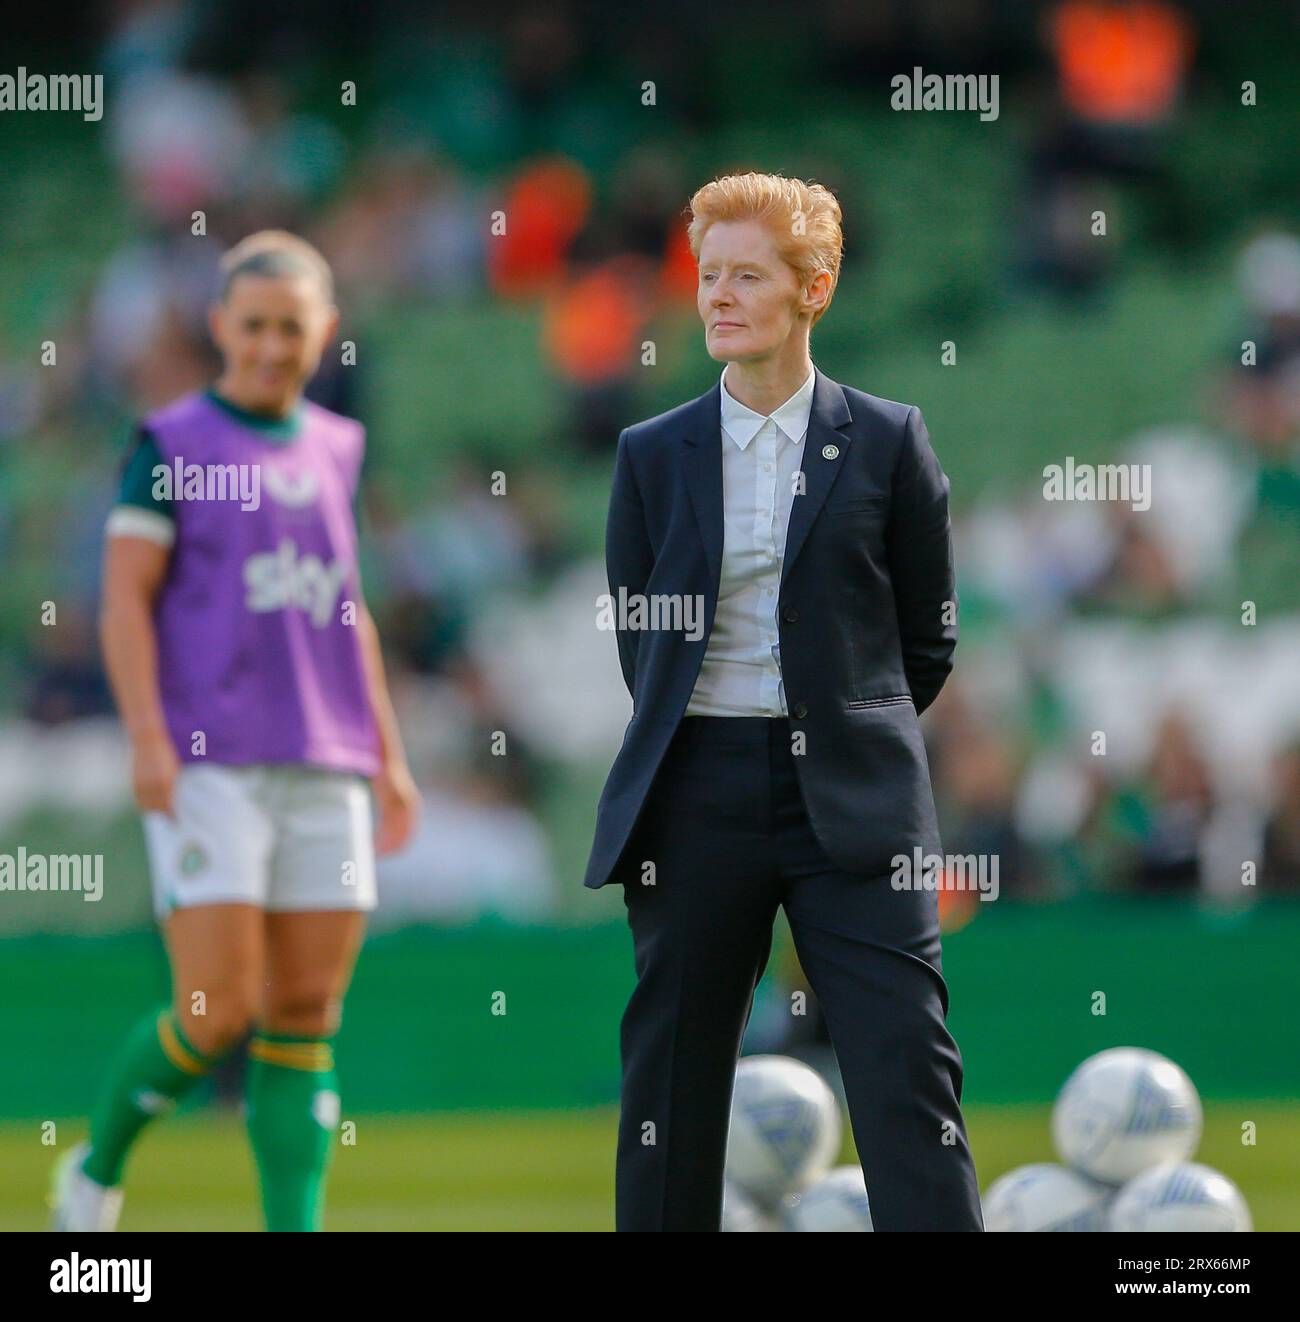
x=523, y=354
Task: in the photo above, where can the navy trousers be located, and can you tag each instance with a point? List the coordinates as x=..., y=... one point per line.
x=726, y=830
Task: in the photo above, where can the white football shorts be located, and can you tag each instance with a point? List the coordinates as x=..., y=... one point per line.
x=282, y=837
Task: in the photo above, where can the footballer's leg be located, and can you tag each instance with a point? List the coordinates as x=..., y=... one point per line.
x=293, y=1099
x=322, y=885
x=208, y=862
x=215, y=954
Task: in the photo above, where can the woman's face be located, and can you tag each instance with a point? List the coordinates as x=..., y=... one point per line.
x=749, y=297
x=271, y=331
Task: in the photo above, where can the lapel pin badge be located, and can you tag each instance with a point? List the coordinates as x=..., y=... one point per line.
x=830, y=451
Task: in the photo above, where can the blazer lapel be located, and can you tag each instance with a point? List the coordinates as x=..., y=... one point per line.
x=704, y=480
x=825, y=450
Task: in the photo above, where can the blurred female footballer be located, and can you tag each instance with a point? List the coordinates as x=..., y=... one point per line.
x=247, y=672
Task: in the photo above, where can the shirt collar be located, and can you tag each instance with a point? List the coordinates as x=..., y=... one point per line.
x=742, y=424
x=273, y=428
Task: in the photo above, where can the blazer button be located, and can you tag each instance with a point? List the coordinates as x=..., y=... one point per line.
x=800, y=710
x=791, y=615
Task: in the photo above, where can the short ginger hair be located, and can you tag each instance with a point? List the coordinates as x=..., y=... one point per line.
x=275, y=253
x=804, y=219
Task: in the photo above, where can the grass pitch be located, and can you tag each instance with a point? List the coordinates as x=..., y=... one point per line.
x=551, y=1171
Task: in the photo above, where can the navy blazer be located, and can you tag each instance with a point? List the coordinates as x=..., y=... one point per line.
x=866, y=615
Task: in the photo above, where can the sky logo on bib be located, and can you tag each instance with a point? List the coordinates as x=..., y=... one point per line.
x=284, y=580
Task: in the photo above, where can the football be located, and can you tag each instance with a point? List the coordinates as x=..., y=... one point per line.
x=1046, y=1197
x=1125, y=1110
x=1180, y=1196
x=836, y=1203
x=785, y=1128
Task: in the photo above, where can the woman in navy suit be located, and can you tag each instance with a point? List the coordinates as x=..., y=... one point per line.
x=774, y=757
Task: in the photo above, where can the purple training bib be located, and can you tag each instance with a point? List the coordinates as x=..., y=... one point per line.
x=258, y=650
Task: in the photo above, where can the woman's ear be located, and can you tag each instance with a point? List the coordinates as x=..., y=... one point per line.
x=817, y=293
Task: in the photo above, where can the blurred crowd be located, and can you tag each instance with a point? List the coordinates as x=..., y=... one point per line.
x=1079, y=618
x=1172, y=630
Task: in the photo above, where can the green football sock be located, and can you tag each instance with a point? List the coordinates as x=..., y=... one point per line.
x=155, y=1069
x=293, y=1110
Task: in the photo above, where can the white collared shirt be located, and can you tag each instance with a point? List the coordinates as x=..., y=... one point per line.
x=741, y=672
